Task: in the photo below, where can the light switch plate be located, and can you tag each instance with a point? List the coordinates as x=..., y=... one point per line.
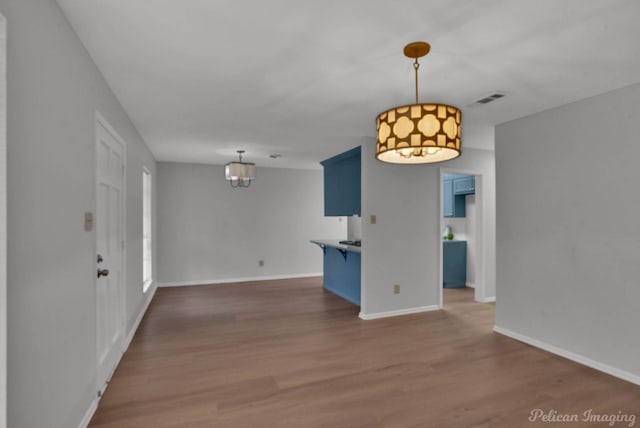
x=373, y=219
x=88, y=221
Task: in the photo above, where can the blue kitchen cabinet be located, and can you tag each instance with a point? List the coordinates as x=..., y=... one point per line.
x=448, y=197
x=454, y=205
x=454, y=264
x=342, y=183
x=465, y=185
x=342, y=273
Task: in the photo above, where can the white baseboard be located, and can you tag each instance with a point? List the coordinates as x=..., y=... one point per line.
x=488, y=299
x=233, y=280
x=470, y=285
x=89, y=414
x=151, y=291
x=419, y=309
x=613, y=371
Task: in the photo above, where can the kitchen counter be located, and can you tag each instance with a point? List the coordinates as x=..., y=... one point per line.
x=335, y=243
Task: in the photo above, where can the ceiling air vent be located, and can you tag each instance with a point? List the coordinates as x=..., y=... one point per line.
x=488, y=98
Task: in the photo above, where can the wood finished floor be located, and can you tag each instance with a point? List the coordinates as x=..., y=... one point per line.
x=289, y=354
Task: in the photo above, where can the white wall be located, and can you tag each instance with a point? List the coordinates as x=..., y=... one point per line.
x=3, y=223
x=54, y=90
x=354, y=228
x=458, y=225
x=569, y=231
x=403, y=247
x=210, y=232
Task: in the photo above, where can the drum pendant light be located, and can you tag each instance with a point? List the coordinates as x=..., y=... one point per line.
x=418, y=133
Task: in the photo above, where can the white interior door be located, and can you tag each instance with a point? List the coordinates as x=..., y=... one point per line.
x=110, y=249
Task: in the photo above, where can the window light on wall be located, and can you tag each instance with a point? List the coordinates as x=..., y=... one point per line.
x=147, y=271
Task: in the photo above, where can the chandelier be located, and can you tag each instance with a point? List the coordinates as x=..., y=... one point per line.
x=418, y=133
x=240, y=173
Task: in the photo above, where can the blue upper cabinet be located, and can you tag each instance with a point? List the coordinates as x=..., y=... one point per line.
x=455, y=187
x=454, y=205
x=448, y=198
x=342, y=183
x=464, y=185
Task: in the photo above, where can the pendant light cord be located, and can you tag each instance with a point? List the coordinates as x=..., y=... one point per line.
x=415, y=67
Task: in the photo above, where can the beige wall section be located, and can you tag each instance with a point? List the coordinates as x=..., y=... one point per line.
x=403, y=246
x=568, y=213
x=54, y=90
x=209, y=231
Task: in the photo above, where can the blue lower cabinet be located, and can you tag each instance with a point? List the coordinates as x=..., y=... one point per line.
x=342, y=273
x=454, y=264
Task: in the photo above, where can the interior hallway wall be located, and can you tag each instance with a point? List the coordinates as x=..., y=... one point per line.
x=54, y=90
x=402, y=247
x=568, y=248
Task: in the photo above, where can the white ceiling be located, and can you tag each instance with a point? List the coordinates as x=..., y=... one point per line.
x=305, y=79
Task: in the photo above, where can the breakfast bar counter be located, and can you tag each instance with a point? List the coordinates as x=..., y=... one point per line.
x=341, y=268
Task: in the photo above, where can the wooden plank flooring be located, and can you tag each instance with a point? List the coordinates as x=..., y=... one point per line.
x=288, y=354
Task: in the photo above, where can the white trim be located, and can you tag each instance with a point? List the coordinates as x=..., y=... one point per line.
x=151, y=291
x=84, y=423
x=470, y=285
x=3, y=221
x=399, y=312
x=488, y=299
x=613, y=371
x=233, y=280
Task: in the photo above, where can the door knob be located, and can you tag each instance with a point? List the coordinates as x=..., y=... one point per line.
x=100, y=259
x=103, y=272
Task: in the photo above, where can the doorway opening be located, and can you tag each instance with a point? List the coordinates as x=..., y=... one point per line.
x=461, y=251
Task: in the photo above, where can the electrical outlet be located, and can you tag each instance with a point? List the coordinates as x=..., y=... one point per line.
x=396, y=288
x=260, y=263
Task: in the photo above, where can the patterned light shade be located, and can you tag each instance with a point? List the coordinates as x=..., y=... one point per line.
x=419, y=133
